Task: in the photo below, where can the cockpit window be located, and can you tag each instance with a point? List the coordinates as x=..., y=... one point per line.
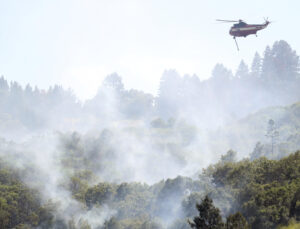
x=240, y=24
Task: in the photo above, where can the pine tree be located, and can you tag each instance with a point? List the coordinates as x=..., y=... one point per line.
x=170, y=94
x=280, y=68
x=242, y=71
x=285, y=62
x=256, y=66
x=267, y=66
x=272, y=133
x=221, y=73
x=209, y=216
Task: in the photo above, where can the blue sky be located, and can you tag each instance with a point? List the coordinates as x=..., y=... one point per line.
x=76, y=43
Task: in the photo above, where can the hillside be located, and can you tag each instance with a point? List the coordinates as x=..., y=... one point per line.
x=126, y=159
x=266, y=192
x=244, y=135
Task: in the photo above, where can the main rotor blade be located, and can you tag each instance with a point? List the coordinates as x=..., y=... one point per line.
x=226, y=20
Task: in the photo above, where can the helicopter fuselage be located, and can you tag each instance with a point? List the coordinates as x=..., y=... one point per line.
x=243, y=30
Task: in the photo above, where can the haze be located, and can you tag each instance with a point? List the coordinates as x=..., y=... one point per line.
x=77, y=43
x=126, y=114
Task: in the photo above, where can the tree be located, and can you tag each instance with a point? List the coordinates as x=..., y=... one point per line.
x=267, y=66
x=4, y=91
x=258, y=151
x=209, y=216
x=280, y=72
x=188, y=204
x=99, y=194
x=256, y=66
x=242, y=71
x=272, y=133
x=114, y=81
x=236, y=221
x=169, y=94
x=285, y=61
x=266, y=190
x=295, y=206
x=221, y=73
x=220, y=81
x=136, y=104
x=230, y=156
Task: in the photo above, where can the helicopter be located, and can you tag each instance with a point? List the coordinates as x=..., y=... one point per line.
x=242, y=29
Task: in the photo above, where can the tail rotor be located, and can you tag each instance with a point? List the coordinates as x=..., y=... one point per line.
x=267, y=20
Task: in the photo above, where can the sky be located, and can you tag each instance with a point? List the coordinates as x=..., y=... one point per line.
x=77, y=43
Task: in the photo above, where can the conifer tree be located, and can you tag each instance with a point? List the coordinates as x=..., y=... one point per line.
x=209, y=216
x=256, y=66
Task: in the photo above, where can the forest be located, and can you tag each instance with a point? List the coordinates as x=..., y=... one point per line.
x=215, y=153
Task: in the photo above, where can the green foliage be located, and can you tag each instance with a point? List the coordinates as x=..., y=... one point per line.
x=295, y=206
x=20, y=207
x=132, y=200
x=267, y=191
x=99, y=194
x=236, y=221
x=292, y=225
x=209, y=216
x=171, y=194
x=230, y=156
x=79, y=183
